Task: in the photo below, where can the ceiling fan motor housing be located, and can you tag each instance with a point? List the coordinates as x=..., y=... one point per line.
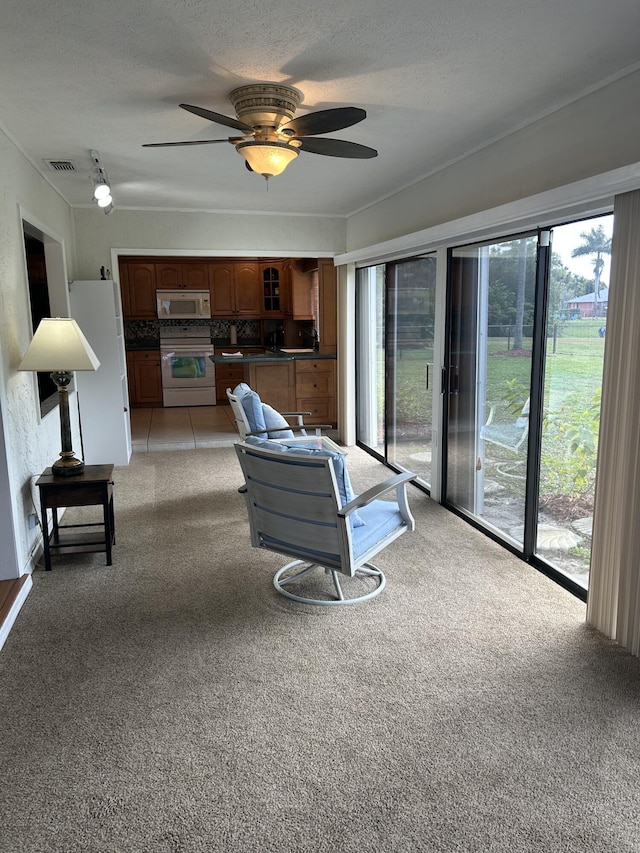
x=265, y=104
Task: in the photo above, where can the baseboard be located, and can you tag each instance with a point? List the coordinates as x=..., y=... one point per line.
x=13, y=605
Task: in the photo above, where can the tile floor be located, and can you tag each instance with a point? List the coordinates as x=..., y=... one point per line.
x=182, y=428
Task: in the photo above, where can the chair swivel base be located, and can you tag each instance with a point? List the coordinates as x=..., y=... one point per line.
x=368, y=569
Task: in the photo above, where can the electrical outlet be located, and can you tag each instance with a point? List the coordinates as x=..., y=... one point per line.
x=33, y=520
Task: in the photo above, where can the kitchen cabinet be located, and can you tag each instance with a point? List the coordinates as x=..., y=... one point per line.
x=103, y=397
x=303, y=290
x=328, y=306
x=227, y=376
x=274, y=382
x=248, y=290
x=138, y=283
x=274, y=276
x=182, y=274
x=315, y=381
x=236, y=290
x=145, y=379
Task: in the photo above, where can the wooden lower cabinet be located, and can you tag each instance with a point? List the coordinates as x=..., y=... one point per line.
x=316, y=389
x=227, y=376
x=144, y=378
x=275, y=383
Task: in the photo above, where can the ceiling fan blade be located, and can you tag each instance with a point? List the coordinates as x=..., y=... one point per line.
x=324, y=121
x=194, y=142
x=227, y=121
x=337, y=148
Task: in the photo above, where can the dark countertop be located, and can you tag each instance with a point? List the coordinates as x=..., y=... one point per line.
x=270, y=356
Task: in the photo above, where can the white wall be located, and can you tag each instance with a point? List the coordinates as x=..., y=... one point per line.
x=594, y=135
x=31, y=444
x=200, y=233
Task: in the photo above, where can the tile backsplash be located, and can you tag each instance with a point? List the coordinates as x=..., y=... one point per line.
x=145, y=334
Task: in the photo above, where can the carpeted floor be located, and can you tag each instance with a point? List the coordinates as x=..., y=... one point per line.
x=174, y=703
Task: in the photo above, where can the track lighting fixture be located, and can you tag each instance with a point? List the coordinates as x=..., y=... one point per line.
x=101, y=187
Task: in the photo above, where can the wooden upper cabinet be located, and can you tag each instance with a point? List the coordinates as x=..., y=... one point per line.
x=302, y=301
x=195, y=276
x=236, y=289
x=222, y=289
x=248, y=290
x=182, y=274
x=328, y=303
x=138, y=285
x=168, y=275
x=275, y=284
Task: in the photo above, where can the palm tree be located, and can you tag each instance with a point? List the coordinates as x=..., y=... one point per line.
x=595, y=243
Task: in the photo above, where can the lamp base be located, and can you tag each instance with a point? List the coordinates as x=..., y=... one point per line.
x=67, y=466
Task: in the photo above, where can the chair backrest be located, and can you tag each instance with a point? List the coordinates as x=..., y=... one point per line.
x=242, y=424
x=508, y=436
x=295, y=508
x=292, y=503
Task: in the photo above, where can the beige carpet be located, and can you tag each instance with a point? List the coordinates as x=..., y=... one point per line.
x=174, y=703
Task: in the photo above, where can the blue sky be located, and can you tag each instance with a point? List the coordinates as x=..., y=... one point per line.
x=567, y=237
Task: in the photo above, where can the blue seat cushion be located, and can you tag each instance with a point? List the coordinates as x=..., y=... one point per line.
x=345, y=490
x=380, y=518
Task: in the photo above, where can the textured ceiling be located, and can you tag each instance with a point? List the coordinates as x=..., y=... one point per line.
x=437, y=79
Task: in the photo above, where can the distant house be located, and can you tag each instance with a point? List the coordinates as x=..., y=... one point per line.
x=585, y=306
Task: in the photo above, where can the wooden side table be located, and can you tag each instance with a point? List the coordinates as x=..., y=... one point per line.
x=93, y=487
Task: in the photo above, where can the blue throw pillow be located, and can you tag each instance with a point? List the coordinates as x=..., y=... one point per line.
x=252, y=405
x=272, y=420
x=241, y=389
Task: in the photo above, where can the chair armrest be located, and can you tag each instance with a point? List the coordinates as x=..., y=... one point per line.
x=291, y=428
x=396, y=482
x=294, y=414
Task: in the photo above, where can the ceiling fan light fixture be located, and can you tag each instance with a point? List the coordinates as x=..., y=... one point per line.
x=267, y=158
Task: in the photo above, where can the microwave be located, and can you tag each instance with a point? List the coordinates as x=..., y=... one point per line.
x=183, y=304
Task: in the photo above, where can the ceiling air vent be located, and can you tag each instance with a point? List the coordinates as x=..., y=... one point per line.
x=61, y=165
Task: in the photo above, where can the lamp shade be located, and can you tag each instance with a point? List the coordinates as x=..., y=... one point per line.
x=59, y=345
x=267, y=158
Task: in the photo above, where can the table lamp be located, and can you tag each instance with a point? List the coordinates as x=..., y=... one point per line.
x=59, y=347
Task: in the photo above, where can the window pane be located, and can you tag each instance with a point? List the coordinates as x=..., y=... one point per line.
x=370, y=358
x=491, y=304
x=578, y=298
x=411, y=291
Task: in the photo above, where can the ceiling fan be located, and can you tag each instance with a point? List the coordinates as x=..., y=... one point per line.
x=271, y=136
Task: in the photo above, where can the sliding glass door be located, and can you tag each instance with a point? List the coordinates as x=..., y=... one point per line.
x=410, y=326
x=525, y=322
x=488, y=380
x=396, y=317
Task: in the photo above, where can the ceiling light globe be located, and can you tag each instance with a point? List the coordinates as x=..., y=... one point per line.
x=267, y=158
x=105, y=201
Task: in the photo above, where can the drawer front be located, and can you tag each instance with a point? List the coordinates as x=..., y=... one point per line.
x=82, y=494
x=321, y=410
x=321, y=365
x=229, y=376
x=315, y=385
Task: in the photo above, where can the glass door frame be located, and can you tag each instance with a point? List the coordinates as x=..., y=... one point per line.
x=532, y=464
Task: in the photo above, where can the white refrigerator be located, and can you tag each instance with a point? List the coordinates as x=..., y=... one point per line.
x=103, y=396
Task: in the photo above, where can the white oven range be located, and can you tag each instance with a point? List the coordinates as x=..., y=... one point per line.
x=188, y=374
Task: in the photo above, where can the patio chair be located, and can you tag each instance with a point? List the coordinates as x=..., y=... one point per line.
x=298, y=505
x=508, y=436
x=253, y=417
